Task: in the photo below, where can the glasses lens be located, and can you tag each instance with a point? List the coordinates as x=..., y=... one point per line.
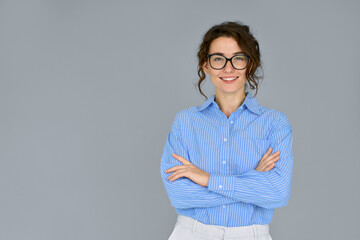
x=217, y=61
x=240, y=61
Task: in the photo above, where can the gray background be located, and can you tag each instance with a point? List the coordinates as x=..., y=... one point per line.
x=89, y=90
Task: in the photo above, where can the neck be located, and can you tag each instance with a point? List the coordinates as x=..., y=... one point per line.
x=229, y=103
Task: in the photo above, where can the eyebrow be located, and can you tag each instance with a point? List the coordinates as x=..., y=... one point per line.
x=224, y=54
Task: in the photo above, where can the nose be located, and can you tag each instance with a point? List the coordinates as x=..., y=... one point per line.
x=228, y=67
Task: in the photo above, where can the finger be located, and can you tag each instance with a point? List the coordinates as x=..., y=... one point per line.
x=174, y=168
x=181, y=159
x=277, y=158
x=261, y=166
x=259, y=169
x=264, y=161
x=270, y=167
x=179, y=171
x=267, y=167
x=276, y=153
x=176, y=175
x=271, y=160
x=272, y=157
x=267, y=153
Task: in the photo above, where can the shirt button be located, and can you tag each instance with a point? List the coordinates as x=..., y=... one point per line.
x=241, y=107
x=220, y=186
x=231, y=122
x=225, y=139
x=224, y=162
x=223, y=206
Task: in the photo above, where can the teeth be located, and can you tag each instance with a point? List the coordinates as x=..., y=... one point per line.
x=229, y=79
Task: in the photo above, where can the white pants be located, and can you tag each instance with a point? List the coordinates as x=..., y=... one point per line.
x=187, y=228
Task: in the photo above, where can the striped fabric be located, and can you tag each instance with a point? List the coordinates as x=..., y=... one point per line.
x=229, y=149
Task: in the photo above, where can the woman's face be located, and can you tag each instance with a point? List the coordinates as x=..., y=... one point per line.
x=228, y=47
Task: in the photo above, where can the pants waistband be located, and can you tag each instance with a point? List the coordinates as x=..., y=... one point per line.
x=252, y=231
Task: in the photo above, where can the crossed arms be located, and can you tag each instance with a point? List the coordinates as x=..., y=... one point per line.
x=267, y=189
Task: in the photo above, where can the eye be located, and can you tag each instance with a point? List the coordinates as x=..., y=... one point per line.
x=239, y=58
x=218, y=59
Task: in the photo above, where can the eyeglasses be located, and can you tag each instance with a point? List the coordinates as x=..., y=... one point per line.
x=238, y=61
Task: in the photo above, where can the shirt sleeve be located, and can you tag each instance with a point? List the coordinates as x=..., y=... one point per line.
x=184, y=193
x=267, y=189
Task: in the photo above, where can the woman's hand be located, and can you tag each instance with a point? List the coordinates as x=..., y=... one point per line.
x=188, y=170
x=268, y=162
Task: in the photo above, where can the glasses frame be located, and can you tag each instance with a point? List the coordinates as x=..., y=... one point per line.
x=229, y=59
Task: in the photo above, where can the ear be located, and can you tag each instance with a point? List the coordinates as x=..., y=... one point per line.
x=205, y=67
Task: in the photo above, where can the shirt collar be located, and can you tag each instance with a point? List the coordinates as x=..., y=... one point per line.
x=250, y=102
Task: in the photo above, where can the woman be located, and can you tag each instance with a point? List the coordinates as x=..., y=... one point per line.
x=218, y=164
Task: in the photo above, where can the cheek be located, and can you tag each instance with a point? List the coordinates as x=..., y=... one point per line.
x=215, y=79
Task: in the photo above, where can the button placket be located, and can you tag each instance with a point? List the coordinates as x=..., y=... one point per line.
x=226, y=132
x=229, y=129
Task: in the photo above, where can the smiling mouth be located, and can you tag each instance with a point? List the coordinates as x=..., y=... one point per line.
x=229, y=78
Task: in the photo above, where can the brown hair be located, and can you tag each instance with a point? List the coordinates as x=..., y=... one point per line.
x=241, y=33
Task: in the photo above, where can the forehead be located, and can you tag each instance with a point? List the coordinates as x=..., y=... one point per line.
x=225, y=45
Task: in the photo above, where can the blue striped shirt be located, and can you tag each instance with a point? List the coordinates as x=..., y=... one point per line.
x=229, y=149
